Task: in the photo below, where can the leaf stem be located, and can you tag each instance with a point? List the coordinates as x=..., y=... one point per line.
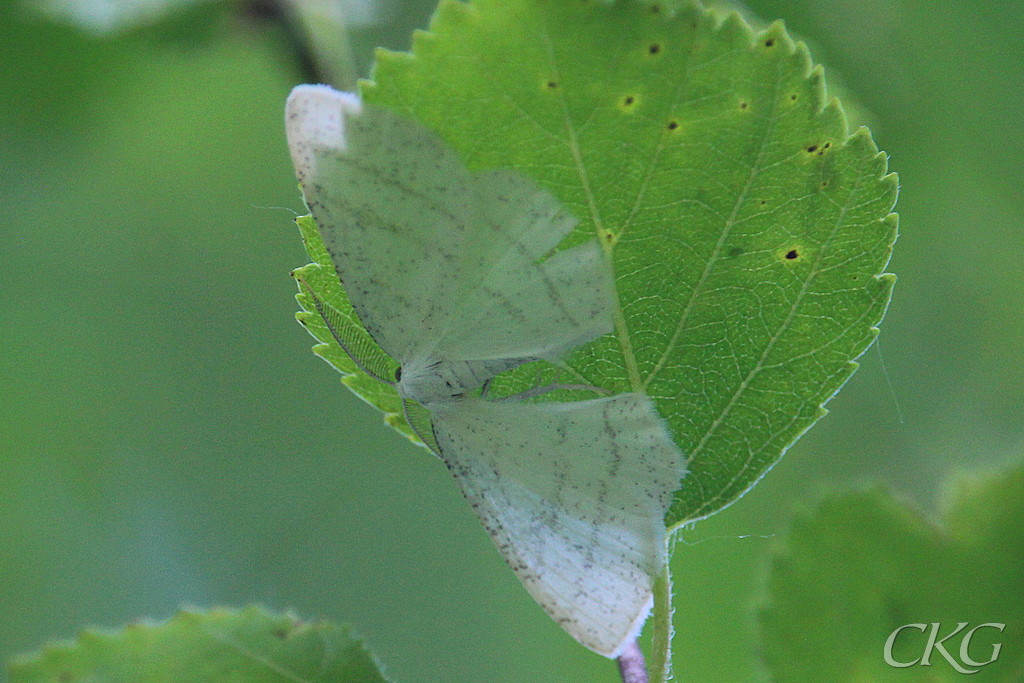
x=273, y=13
x=316, y=35
x=660, y=667
x=322, y=24
x=631, y=664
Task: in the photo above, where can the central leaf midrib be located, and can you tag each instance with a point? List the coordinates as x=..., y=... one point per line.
x=621, y=330
x=256, y=657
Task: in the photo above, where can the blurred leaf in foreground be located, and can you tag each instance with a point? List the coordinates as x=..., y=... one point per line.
x=747, y=229
x=206, y=647
x=110, y=16
x=864, y=564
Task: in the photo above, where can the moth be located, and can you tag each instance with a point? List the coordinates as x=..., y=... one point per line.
x=456, y=276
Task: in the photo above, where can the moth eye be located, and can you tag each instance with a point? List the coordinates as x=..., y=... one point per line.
x=398, y=374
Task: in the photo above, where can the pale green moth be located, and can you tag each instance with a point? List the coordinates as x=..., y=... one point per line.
x=451, y=274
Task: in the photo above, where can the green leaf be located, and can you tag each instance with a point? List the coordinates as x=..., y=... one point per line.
x=747, y=229
x=206, y=647
x=863, y=564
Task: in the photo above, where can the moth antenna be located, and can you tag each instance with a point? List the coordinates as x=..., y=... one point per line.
x=329, y=315
x=414, y=417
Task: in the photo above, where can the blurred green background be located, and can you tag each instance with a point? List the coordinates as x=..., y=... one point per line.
x=167, y=438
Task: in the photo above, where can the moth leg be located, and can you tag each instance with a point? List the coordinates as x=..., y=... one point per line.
x=539, y=391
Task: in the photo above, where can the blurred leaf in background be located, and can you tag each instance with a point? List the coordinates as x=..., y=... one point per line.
x=166, y=437
x=863, y=564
